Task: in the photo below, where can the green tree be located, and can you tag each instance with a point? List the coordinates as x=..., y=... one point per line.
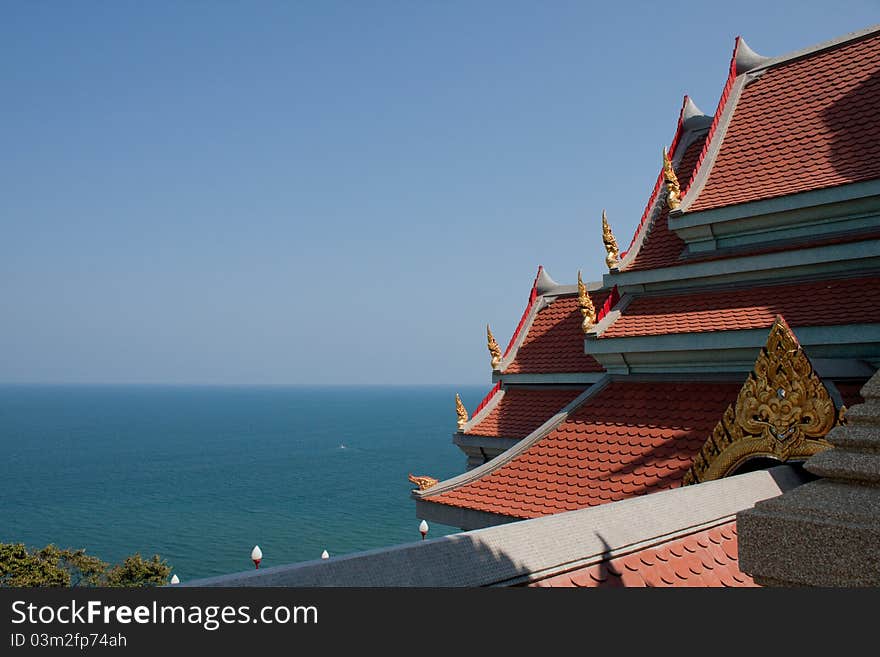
x=52, y=566
x=136, y=571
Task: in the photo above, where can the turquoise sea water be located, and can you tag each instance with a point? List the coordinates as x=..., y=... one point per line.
x=199, y=474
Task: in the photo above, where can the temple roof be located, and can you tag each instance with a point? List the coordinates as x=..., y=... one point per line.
x=519, y=411
x=555, y=341
x=706, y=558
x=812, y=303
x=660, y=246
x=626, y=439
x=793, y=124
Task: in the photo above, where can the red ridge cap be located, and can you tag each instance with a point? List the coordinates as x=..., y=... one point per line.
x=722, y=102
x=487, y=398
x=651, y=200
x=532, y=296
x=610, y=302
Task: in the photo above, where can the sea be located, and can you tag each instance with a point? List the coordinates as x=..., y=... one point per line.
x=201, y=474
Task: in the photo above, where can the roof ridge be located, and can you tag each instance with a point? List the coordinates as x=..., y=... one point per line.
x=533, y=295
x=722, y=103
x=768, y=62
x=691, y=119
x=653, y=197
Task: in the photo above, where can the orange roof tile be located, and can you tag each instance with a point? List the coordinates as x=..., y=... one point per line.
x=707, y=558
x=522, y=410
x=662, y=246
x=805, y=124
x=630, y=439
x=555, y=341
x=814, y=303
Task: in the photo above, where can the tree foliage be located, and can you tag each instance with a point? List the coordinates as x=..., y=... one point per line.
x=52, y=566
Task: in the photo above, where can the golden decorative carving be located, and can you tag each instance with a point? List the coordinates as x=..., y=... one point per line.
x=424, y=483
x=461, y=411
x=585, y=303
x=494, y=349
x=610, y=244
x=783, y=412
x=673, y=190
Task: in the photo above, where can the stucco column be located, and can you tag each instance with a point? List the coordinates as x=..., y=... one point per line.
x=826, y=532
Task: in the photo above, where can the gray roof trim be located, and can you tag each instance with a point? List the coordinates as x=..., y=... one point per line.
x=735, y=339
x=544, y=283
x=705, y=166
x=747, y=59
x=539, y=305
x=777, y=204
x=693, y=119
x=612, y=316
x=549, y=378
x=747, y=263
x=769, y=62
x=524, y=444
x=529, y=550
x=479, y=417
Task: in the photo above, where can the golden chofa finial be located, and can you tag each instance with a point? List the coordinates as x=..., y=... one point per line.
x=610, y=243
x=585, y=303
x=494, y=349
x=673, y=190
x=461, y=411
x=424, y=483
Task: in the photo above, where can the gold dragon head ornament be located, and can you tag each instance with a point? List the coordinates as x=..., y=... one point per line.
x=613, y=253
x=588, y=311
x=494, y=349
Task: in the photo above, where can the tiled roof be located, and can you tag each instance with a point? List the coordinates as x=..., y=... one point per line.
x=814, y=303
x=662, y=246
x=555, y=342
x=808, y=123
x=631, y=438
x=706, y=558
x=522, y=410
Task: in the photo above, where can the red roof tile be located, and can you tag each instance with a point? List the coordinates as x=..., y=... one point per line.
x=662, y=246
x=555, y=341
x=630, y=439
x=522, y=410
x=806, y=124
x=705, y=558
x=814, y=303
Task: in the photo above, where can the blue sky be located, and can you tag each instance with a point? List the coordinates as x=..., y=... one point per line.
x=331, y=192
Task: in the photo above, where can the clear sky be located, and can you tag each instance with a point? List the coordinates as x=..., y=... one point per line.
x=331, y=192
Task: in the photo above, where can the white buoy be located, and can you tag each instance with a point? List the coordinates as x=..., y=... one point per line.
x=325, y=555
x=257, y=555
x=175, y=579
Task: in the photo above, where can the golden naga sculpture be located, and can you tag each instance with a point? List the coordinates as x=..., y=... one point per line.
x=461, y=411
x=782, y=412
x=610, y=244
x=673, y=190
x=585, y=303
x=424, y=483
x=494, y=349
